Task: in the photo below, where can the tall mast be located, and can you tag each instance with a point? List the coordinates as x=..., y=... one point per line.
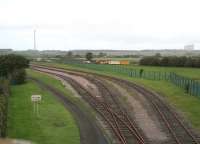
x=34, y=32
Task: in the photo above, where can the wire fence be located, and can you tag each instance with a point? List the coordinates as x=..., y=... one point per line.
x=190, y=86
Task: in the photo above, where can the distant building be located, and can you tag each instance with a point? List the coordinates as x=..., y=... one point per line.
x=189, y=47
x=113, y=62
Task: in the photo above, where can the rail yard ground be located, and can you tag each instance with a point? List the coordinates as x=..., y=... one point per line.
x=55, y=124
x=105, y=107
x=84, y=116
x=188, y=106
x=144, y=118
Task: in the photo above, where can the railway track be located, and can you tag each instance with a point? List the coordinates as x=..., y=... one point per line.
x=120, y=122
x=110, y=99
x=180, y=133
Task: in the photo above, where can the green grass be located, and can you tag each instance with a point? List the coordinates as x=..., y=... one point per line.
x=58, y=85
x=55, y=125
x=188, y=105
x=49, y=80
x=193, y=73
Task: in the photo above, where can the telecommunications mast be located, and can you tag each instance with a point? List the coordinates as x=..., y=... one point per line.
x=34, y=36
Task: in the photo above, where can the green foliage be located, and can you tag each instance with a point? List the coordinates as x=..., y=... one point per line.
x=55, y=124
x=141, y=72
x=182, y=61
x=13, y=66
x=9, y=63
x=101, y=54
x=150, y=60
x=4, y=92
x=70, y=54
x=89, y=56
x=18, y=76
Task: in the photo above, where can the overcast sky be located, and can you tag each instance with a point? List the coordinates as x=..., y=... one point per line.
x=99, y=24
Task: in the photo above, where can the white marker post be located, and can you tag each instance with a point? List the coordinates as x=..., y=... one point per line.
x=36, y=99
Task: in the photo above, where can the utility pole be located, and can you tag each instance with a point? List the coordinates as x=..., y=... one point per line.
x=34, y=33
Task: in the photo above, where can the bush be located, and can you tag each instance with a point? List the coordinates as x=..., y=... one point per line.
x=150, y=60
x=9, y=63
x=18, y=76
x=4, y=92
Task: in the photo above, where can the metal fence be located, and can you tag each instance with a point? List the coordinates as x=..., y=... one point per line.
x=190, y=86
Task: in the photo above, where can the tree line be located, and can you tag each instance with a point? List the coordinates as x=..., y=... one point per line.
x=4, y=93
x=175, y=61
x=12, y=70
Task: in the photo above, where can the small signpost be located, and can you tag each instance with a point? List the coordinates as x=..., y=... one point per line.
x=36, y=99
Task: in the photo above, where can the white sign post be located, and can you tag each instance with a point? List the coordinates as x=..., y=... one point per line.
x=36, y=99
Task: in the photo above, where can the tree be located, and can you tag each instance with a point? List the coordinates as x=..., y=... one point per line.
x=18, y=76
x=158, y=55
x=11, y=62
x=89, y=56
x=12, y=67
x=102, y=54
x=164, y=61
x=69, y=54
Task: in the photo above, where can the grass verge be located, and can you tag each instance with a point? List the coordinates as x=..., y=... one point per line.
x=55, y=125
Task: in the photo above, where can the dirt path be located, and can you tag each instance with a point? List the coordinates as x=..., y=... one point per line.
x=90, y=133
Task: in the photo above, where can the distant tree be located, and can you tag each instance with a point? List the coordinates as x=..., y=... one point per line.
x=78, y=56
x=189, y=62
x=102, y=54
x=158, y=55
x=89, y=56
x=69, y=54
x=175, y=61
x=164, y=61
x=150, y=60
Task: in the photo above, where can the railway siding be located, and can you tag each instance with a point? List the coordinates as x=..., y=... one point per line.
x=180, y=133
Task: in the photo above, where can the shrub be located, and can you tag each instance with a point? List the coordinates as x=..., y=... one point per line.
x=4, y=92
x=18, y=76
